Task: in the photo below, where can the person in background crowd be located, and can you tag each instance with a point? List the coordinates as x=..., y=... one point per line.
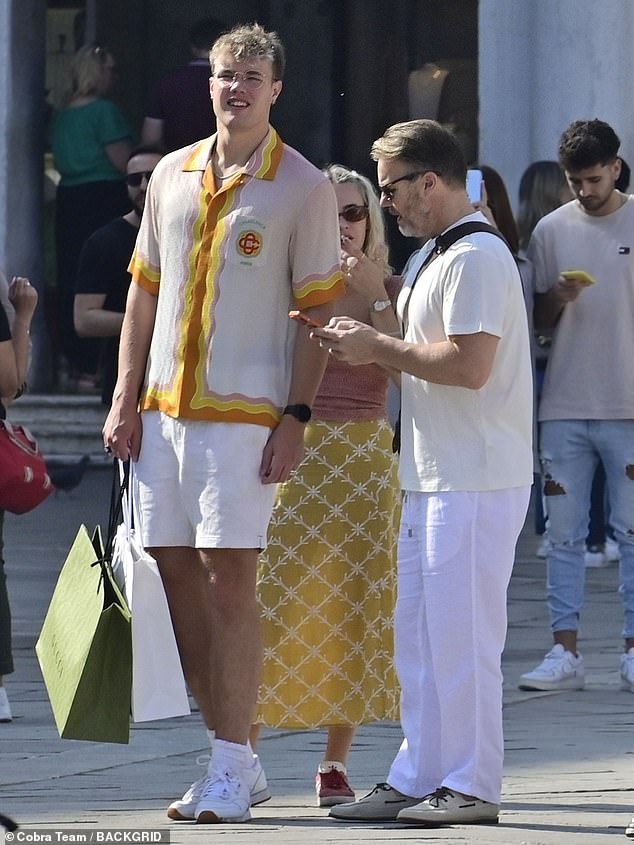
x=236, y=230
x=601, y=547
x=103, y=279
x=496, y=206
x=179, y=112
x=586, y=413
x=91, y=146
x=326, y=581
x=623, y=182
x=17, y=304
x=543, y=188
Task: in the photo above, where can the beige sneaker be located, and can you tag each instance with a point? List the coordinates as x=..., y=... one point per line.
x=383, y=804
x=446, y=806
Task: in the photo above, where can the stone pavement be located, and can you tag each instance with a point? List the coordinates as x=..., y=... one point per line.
x=569, y=761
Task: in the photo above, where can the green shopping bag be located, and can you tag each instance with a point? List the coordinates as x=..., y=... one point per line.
x=85, y=647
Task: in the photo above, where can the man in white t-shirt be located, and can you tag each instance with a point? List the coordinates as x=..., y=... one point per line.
x=587, y=406
x=466, y=469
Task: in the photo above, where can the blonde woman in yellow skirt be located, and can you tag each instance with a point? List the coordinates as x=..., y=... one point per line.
x=327, y=578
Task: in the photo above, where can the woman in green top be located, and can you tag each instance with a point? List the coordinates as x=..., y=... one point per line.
x=91, y=146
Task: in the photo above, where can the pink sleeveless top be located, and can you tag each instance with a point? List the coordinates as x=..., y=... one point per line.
x=354, y=394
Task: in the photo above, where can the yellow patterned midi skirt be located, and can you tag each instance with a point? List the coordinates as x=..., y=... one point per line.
x=327, y=583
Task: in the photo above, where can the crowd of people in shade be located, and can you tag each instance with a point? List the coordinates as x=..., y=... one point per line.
x=475, y=332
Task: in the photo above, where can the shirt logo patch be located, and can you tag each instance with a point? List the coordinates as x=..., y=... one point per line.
x=624, y=250
x=249, y=243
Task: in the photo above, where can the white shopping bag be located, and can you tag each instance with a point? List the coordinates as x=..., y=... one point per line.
x=158, y=685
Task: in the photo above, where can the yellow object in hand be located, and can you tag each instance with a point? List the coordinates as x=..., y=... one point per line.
x=579, y=276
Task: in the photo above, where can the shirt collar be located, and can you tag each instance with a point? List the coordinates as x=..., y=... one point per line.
x=263, y=163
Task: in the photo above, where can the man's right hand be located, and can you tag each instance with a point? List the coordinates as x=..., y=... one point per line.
x=567, y=290
x=23, y=296
x=122, y=432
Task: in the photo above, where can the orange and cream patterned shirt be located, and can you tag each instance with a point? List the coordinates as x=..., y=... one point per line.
x=226, y=263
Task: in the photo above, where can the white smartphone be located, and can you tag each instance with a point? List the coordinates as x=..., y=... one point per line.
x=474, y=185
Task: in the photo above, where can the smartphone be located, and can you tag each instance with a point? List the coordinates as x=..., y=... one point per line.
x=474, y=185
x=579, y=276
x=304, y=318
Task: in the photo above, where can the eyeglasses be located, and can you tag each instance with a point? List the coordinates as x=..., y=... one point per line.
x=355, y=213
x=135, y=179
x=251, y=79
x=388, y=190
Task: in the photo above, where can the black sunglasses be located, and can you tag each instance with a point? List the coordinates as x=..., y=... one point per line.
x=135, y=179
x=355, y=213
x=388, y=189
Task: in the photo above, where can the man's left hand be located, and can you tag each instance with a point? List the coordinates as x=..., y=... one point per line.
x=283, y=452
x=348, y=340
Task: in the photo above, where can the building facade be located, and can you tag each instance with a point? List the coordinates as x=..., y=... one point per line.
x=508, y=75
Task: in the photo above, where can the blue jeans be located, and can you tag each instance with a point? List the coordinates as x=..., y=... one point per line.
x=569, y=453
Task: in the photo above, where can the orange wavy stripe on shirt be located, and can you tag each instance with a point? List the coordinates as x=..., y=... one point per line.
x=200, y=290
x=210, y=413
x=271, y=157
x=171, y=397
x=318, y=290
x=197, y=159
x=145, y=276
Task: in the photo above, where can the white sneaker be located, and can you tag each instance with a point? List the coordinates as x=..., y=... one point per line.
x=184, y=810
x=225, y=798
x=629, y=830
x=627, y=670
x=256, y=782
x=594, y=557
x=560, y=669
x=612, y=551
x=5, y=709
x=542, y=547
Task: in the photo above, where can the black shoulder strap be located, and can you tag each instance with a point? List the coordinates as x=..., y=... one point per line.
x=443, y=242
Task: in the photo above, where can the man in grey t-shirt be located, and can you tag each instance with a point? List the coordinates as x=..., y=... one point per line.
x=584, y=270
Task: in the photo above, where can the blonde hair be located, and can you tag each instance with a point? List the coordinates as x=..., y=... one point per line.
x=375, y=244
x=87, y=71
x=251, y=41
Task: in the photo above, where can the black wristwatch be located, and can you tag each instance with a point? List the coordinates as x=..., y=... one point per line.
x=300, y=412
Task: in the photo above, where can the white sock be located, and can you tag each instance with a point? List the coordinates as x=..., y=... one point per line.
x=211, y=734
x=231, y=756
x=327, y=765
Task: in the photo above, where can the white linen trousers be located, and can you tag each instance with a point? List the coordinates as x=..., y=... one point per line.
x=455, y=556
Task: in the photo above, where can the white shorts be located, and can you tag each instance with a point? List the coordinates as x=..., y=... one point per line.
x=199, y=483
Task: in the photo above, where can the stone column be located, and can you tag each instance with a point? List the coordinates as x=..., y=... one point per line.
x=22, y=57
x=543, y=64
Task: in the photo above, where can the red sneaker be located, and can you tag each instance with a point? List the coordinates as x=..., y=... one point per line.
x=332, y=787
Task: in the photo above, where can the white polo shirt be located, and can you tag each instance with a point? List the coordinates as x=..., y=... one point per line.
x=226, y=265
